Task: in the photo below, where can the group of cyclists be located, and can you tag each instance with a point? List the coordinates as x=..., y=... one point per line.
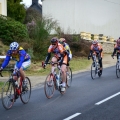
x=62, y=55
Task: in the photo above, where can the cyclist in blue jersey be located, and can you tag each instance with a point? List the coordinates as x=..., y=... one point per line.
x=23, y=60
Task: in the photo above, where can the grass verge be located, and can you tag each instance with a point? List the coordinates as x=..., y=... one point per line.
x=36, y=69
x=76, y=64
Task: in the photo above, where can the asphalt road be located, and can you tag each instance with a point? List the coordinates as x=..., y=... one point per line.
x=86, y=99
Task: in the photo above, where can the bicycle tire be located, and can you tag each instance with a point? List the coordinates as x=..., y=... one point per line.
x=8, y=95
x=25, y=95
x=117, y=70
x=49, y=86
x=93, y=71
x=69, y=77
x=62, y=92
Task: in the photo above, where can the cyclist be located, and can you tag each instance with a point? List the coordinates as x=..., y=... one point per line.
x=116, y=48
x=67, y=48
x=22, y=59
x=59, y=56
x=97, y=49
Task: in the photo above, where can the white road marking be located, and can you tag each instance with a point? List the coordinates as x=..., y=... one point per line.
x=98, y=103
x=72, y=116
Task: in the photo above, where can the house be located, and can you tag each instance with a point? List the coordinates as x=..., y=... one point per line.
x=36, y=5
x=3, y=7
x=91, y=16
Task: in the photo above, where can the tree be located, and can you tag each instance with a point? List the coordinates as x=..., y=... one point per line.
x=16, y=10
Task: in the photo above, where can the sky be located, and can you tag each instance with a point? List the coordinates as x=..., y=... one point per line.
x=29, y=2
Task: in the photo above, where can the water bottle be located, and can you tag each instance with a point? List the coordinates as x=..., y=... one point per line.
x=57, y=80
x=16, y=84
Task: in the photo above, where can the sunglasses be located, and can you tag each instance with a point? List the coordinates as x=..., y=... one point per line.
x=53, y=44
x=14, y=51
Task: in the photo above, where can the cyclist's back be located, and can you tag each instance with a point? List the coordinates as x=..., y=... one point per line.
x=66, y=47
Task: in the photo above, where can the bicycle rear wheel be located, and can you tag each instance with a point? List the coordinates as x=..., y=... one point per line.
x=8, y=95
x=49, y=86
x=26, y=93
x=117, y=70
x=69, y=77
x=93, y=71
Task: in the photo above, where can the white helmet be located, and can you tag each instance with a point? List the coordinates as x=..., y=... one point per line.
x=14, y=46
x=95, y=42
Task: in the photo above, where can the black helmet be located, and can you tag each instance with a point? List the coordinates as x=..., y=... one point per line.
x=54, y=40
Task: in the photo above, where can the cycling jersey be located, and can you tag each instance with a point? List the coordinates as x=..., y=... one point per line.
x=67, y=48
x=59, y=53
x=97, y=49
x=20, y=57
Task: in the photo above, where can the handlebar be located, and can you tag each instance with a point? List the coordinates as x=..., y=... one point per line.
x=52, y=63
x=10, y=70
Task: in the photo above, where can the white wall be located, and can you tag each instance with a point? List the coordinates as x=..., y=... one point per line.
x=3, y=7
x=94, y=16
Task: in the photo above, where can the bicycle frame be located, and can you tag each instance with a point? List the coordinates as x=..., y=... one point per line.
x=118, y=66
x=54, y=73
x=10, y=92
x=95, y=66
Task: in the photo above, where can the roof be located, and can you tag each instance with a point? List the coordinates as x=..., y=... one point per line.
x=37, y=7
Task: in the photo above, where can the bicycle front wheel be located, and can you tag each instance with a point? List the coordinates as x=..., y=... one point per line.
x=49, y=86
x=117, y=70
x=26, y=92
x=93, y=71
x=8, y=95
x=69, y=77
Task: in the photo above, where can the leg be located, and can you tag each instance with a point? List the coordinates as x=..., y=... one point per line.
x=64, y=70
x=24, y=66
x=54, y=59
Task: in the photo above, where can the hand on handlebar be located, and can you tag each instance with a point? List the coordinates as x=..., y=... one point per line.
x=44, y=65
x=112, y=56
x=89, y=57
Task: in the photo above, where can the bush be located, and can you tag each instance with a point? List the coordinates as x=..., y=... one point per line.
x=78, y=46
x=12, y=30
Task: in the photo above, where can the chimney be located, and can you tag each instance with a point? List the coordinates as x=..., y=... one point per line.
x=34, y=1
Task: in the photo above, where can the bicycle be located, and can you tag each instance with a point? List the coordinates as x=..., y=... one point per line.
x=54, y=79
x=95, y=67
x=10, y=92
x=117, y=66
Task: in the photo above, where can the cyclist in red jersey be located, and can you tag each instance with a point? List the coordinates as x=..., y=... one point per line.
x=97, y=49
x=59, y=56
x=116, y=48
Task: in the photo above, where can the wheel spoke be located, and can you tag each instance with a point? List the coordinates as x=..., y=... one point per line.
x=7, y=95
x=69, y=77
x=93, y=71
x=49, y=86
x=26, y=92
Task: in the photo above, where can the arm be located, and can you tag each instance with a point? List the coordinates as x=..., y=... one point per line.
x=22, y=54
x=6, y=61
x=48, y=57
x=114, y=52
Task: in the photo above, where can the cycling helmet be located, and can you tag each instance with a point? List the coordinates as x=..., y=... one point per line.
x=61, y=40
x=94, y=42
x=118, y=41
x=14, y=46
x=54, y=40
